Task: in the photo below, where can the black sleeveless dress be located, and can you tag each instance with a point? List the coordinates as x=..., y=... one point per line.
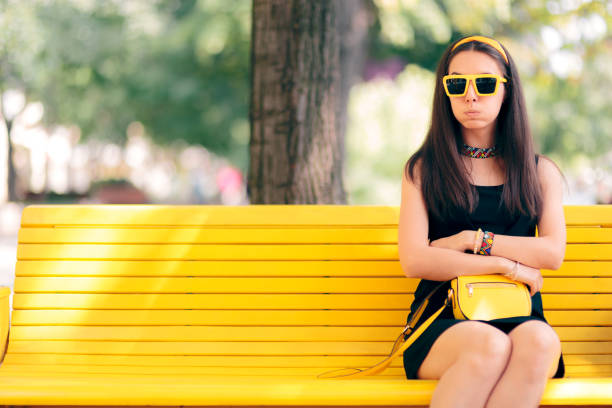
x=489, y=218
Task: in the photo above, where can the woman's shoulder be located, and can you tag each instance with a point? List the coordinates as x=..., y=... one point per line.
x=412, y=170
x=547, y=170
x=545, y=163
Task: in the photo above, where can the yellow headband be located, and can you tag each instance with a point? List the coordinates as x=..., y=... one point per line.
x=486, y=40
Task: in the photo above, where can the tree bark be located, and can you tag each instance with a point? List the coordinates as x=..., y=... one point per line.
x=296, y=141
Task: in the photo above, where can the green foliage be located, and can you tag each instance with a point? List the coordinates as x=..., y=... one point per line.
x=179, y=67
x=82, y=73
x=18, y=43
x=192, y=82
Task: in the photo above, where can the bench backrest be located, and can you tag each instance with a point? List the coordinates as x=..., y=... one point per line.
x=270, y=290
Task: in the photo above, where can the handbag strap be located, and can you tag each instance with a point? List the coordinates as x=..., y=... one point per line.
x=411, y=339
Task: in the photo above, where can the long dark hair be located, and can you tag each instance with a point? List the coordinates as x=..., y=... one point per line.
x=445, y=186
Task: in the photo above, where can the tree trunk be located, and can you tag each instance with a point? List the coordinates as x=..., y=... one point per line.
x=296, y=138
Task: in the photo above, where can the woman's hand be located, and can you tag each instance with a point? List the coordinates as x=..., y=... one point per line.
x=532, y=277
x=459, y=242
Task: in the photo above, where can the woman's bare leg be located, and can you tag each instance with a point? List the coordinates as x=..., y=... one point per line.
x=467, y=359
x=535, y=356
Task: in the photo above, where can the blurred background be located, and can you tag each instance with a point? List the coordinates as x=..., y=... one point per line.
x=146, y=101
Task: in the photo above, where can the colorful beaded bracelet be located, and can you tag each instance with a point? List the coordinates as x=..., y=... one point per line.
x=487, y=243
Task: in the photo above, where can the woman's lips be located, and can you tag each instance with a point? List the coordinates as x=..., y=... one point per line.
x=472, y=113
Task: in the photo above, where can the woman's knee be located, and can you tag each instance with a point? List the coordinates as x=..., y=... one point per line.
x=482, y=349
x=535, y=337
x=490, y=349
x=537, y=345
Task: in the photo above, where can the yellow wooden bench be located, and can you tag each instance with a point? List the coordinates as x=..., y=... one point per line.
x=245, y=305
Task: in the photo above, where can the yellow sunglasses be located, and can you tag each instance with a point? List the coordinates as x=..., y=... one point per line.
x=484, y=84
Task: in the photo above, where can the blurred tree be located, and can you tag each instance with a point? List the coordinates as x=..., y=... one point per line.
x=16, y=68
x=179, y=67
x=83, y=63
x=191, y=80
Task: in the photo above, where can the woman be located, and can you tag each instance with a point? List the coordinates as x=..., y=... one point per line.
x=477, y=170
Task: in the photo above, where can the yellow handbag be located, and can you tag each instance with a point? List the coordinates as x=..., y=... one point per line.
x=474, y=297
x=488, y=297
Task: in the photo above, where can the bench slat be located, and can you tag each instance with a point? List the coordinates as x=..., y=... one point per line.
x=241, y=347
x=262, y=317
x=388, y=301
x=212, y=252
x=265, y=285
x=239, y=361
x=229, y=333
x=246, y=361
x=200, y=348
x=588, y=235
x=579, y=252
x=578, y=333
x=305, y=372
x=199, y=390
x=588, y=252
x=589, y=371
x=390, y=268
x=568, y=301
x=228, y=301
x=214, y=268
x=235, y=235
x=587, y=347
x=595, y=359
x=243, y=390
x=391, y=372
x=186, y=285
x=197, y=215
x=129, y=214
x=217, y=235
x=588, y=215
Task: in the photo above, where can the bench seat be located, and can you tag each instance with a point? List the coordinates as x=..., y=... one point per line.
x=245, y=305
x=213, y=390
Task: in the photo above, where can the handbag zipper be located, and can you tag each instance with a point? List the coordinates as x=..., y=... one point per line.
x=470, y=286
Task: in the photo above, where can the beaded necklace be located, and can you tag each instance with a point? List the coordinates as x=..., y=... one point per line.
x=479, y=152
